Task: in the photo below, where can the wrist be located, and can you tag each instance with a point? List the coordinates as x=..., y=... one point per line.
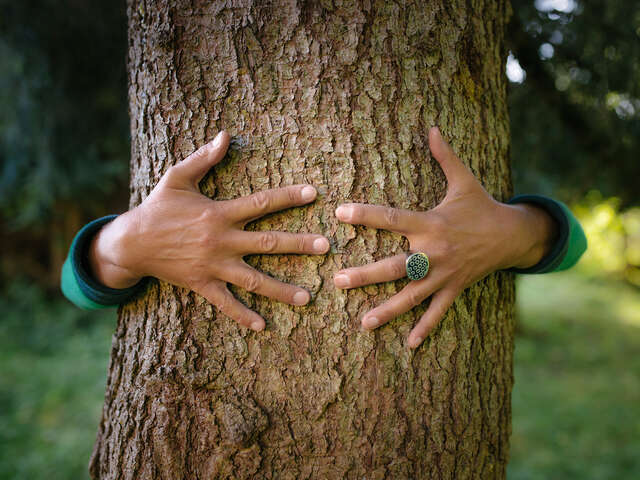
x=531, y=234
x=109, y=252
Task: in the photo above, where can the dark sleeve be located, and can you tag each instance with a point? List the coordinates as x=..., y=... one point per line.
x=571, y=242
x=76, y=281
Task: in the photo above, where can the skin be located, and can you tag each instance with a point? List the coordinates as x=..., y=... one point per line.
x=184, y=238
x=467, y=236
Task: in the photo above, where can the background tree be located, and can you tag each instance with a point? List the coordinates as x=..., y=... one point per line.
x=581, y=64
x=63, y=128
x=340, y=96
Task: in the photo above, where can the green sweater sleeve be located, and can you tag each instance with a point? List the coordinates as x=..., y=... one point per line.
x=570, y=244
x=76, y=281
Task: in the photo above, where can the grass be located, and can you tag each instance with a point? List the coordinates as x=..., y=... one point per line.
x=576, y=400
x=53, y=360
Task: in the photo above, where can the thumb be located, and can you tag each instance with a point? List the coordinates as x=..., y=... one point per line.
x=453, y=168
x=196, y=165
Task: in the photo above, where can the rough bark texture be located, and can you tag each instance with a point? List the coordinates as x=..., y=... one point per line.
x=339, y=94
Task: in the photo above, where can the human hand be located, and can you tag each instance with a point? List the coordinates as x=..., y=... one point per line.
x=467, y=236
x=182, y=237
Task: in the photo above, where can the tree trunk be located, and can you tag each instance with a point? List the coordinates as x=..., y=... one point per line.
x=339, y=94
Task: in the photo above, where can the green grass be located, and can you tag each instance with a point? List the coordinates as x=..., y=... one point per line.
x=576, y=401
x=53, y=361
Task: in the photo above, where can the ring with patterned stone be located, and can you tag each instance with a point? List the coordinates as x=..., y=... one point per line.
x=417, y=265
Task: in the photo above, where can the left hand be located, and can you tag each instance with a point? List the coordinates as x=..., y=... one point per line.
x=467, y=236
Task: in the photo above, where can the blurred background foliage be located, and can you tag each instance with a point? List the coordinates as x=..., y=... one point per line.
x=64, y=129
x=574, y=97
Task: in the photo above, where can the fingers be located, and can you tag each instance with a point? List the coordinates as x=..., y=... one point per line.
x=219, y=295
x=256, y=205
x=196, y=165
x=439, y=305
x=386, y=270
x=280, y=242
x=377, y=216
x=257, y=282
x=410, y=296
x=453, y=168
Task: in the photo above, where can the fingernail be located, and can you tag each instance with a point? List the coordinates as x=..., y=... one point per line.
x=301, y=298
x=257, y=326
x=371, y=322
x=341, y=280
x=218, y=139
x=415, y=343
x=320, y=245
x=308, y=193
x=344, y=212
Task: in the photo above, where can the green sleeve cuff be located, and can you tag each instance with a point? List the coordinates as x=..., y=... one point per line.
x=570, y=244
x=71, y=289
x=76, y=281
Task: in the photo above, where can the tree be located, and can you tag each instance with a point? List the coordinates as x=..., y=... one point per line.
x=340, y=95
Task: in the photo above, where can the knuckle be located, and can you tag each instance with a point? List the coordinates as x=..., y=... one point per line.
x=440, y=312
x=219, y=299
x=196, y=284
x=208, y=215
x=260, y=201
x=448, y=305
x=268, y=242
x=391, y=216
x=172, y=173
x=447, y=249
x=251, y=281
x=398, y=269
x=414, y=298
x=224, y=211
x=437, y=223
x=293, y=194
x=201, y=152
x=242, y=318
x=208, y=241
x=224, y=304
x=301, y=242
x=359, y=278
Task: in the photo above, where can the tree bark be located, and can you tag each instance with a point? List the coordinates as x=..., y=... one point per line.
x=339, y=94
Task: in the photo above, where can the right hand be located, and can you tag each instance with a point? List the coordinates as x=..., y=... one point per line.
x=184, y=238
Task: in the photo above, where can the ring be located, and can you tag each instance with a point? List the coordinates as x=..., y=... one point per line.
x=417, y=265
